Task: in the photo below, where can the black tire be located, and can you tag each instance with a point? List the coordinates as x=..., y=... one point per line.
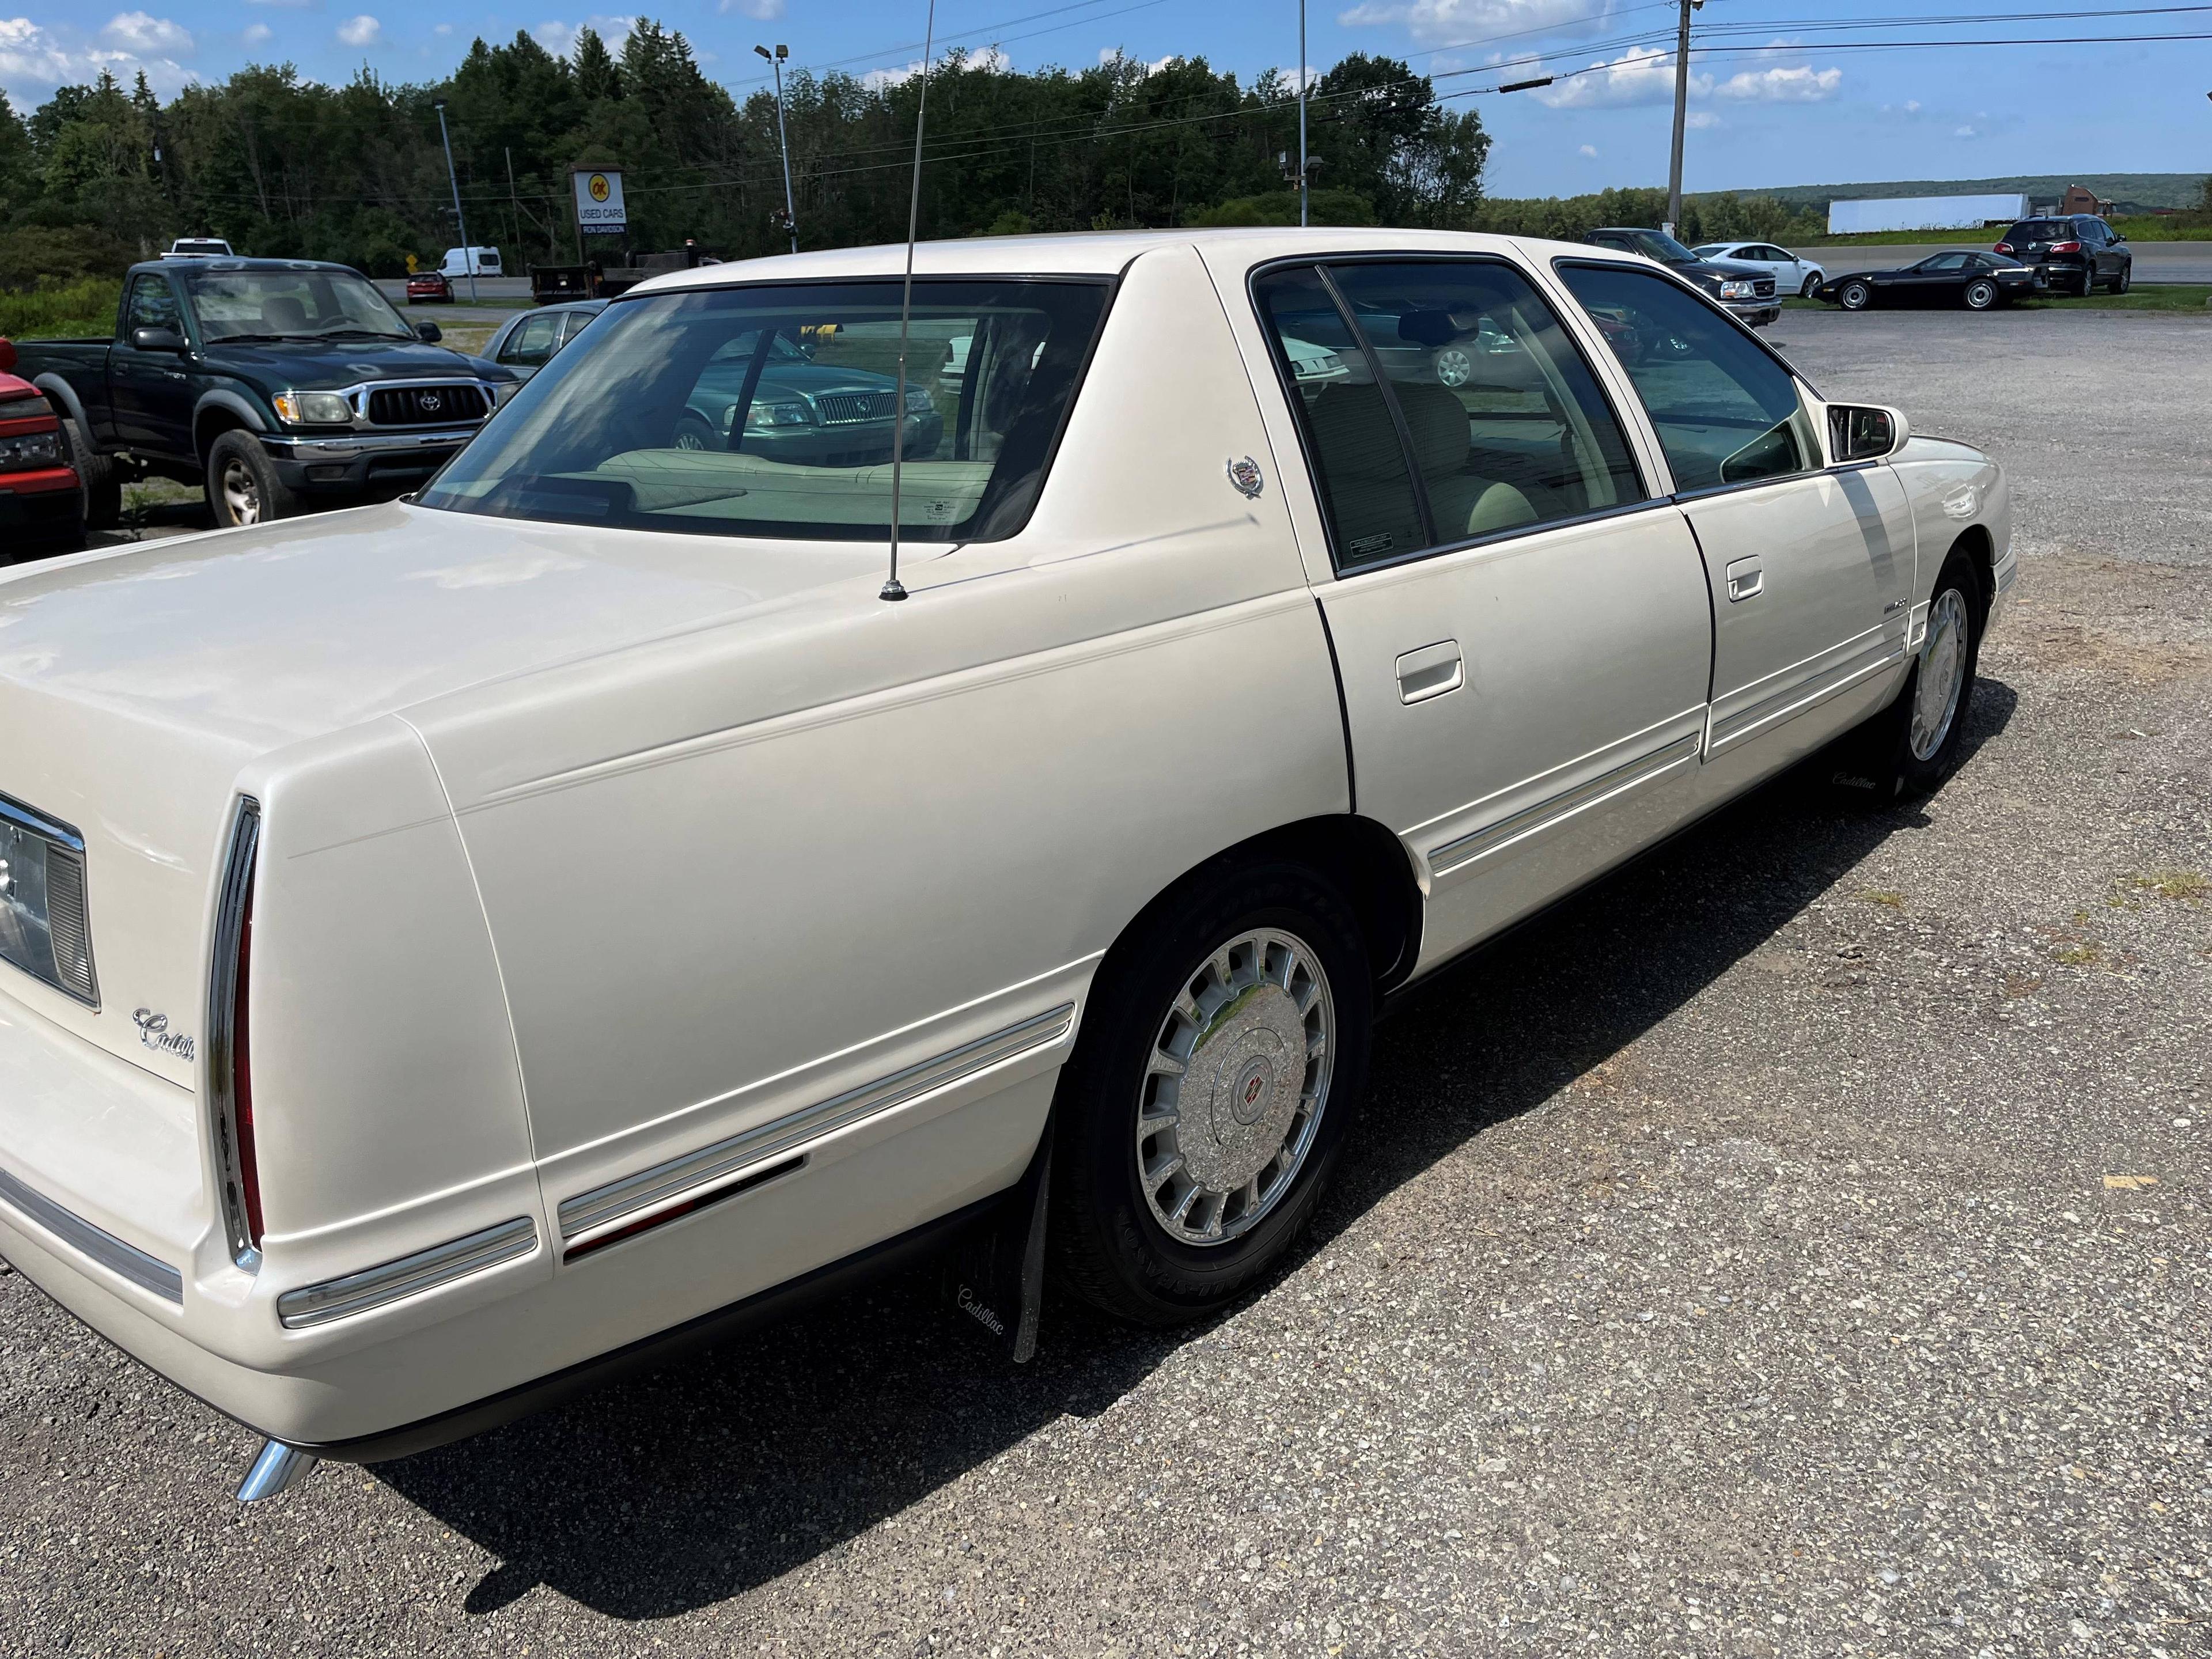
x=1855, y=296
x=1881, y=761
x=1980, y=294
x=1108, y=1245
x=692, y=432
x=2088, y=283
x=1811, y=285
x=2126, y=280
x=103, y=485
x=242, y=485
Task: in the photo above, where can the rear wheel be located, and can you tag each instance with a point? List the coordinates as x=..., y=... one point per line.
x=103, y=485
x=2126, y=280
x=1981, y=293
x=242, y=485
x=1913, y=745
x=2088, y=281
x=1222, y=1052
x=1855, y=296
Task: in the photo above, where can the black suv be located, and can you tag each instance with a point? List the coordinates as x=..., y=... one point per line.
x=1745, y=290
x=2078, y=253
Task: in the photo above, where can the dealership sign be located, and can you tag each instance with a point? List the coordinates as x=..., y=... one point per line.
x=599, y=199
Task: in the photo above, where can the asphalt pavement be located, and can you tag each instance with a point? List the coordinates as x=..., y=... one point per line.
x=1795, y=1246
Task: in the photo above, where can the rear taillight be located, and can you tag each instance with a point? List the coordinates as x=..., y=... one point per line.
x=2002, y=247
x=2065, y=248
x=230, y=1075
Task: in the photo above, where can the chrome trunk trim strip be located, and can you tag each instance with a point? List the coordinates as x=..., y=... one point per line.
x=222, y=1012
x=1468, y=847
x=601, y=1205
x=410, y=1275
x=124, y=1260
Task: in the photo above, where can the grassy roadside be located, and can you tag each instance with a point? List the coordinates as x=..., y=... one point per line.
x=2178, y=296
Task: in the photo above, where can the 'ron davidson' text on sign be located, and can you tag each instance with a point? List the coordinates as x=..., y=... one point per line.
x=599, y=199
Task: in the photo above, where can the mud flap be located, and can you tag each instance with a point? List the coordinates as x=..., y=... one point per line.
x=994, y=1275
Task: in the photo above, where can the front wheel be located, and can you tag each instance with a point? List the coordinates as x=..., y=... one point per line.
x=1812, y=286
x=693, y=433
x=1981, y=294
x=1222, y=1053
x=1855, y=296
x=242, y=485
x=1913, y=745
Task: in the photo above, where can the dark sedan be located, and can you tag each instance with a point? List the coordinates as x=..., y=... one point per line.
x=1976, y=281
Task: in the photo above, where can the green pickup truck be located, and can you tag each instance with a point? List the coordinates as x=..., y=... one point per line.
x=279, y=385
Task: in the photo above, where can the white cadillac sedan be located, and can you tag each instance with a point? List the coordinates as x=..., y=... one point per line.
x=453, y=947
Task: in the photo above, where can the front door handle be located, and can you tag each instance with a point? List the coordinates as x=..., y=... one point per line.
x=1430, y=672
x=1745, y=580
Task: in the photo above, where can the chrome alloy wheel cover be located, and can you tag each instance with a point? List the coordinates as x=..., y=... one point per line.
x=1235, y=1087
x=1942, y=674
x=241, y=494
x=1455, y=368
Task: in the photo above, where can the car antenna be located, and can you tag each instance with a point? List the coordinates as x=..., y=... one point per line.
x=894, y=589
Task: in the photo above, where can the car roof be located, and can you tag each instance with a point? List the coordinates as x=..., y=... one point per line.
x=239, y=261
x=1093, y=253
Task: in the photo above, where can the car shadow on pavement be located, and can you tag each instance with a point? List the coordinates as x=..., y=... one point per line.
x=727, y=1469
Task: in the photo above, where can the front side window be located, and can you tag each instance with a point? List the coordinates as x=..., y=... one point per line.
x=1725, y=411
x=1461, y=365
x=533, y=340
x=1948, y=262
x=292, y=305
x=773, y=411
x=153, y=305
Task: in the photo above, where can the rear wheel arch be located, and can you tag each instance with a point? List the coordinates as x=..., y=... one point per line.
x=214, y=418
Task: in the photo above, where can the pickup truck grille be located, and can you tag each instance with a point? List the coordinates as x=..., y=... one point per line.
x=1763, y=287
x=842, y=408
x=426, y=405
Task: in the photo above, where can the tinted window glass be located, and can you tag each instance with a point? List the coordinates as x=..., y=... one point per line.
x=309, y=304
x=1507, y=426
x=1359, y=465
x=772, y=411
x=1725, y=411
x=1945, y=262
x=533, y=340
x=153, y=305
x=2039, y=230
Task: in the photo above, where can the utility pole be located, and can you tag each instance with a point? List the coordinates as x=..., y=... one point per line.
x=468, y=253
x=790, y=208
x=1681, y=115
x=1304, y=173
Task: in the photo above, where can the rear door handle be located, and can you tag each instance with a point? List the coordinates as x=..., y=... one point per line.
x=1430, y=672
x=1745, y=580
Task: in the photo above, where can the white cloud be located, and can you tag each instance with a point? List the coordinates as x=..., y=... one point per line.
x=1442, y=22
x=1964, y=133
x=141, y=32
x=50, y=57
x=1698, y=120
x=1292, y=78
x=761, y=11
x=1642, y=75
x=288, y=5
x=1589, y=150
x=1111, y=53
x=254, y=33
x=361, y=31
x=1802, y=84
x=442, y=28
x=560, y=38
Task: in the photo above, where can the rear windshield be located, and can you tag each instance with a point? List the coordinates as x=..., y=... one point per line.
x=773, y=409
x=2041, y=230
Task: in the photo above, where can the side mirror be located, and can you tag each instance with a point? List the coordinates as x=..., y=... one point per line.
x=158, y=339
x=1864, y=432
x=7, y=355
x=428, y=333
x=2119, y=236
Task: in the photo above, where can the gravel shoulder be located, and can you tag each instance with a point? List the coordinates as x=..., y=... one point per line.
x=1796, y=1246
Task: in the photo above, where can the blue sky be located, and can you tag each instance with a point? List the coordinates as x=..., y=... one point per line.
x=1791, y=103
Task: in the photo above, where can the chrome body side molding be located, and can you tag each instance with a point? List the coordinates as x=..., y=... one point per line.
x=1806, y=686
x=682, y=1177
x=410, y=1275
x=124, y=1260
x=1642, y=768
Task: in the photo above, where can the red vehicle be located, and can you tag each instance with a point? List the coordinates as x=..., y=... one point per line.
x=41, y=503
x=430, y=285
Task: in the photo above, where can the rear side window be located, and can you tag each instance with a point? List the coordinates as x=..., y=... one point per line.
x=1462, y=367
x=1725, y=411
x=773, y=409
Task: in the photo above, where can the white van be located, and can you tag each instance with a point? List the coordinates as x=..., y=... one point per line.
x=458, y=261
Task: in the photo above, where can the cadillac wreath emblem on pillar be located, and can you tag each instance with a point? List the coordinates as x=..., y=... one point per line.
x=1246, y=475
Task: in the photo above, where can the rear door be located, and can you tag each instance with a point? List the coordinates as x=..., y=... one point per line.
x=1519, y=623
x=1811, y=566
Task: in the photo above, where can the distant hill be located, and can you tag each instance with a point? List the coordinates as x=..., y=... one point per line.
x=2127, y=190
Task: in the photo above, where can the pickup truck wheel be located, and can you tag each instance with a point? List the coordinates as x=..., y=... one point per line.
x=1913, y=745
x=242, y=486
x=103, y=489
x=1202, y=1112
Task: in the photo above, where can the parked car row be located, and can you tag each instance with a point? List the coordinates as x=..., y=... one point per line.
x=2076, y=254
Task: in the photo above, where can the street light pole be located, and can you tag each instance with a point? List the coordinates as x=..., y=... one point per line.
x=468, y=253
x=790, y=208
x=1681, y=114
x=1304, y=174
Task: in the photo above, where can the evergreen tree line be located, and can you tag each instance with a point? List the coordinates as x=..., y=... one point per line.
x=282, y=166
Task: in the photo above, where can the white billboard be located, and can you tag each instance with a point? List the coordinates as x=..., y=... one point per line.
x=599, y=199
x=1923, y=213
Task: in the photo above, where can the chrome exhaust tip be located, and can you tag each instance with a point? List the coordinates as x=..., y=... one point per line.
x=276, y=1467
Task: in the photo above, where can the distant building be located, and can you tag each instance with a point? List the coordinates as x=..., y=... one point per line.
x=1925, y=213
x=2079, y=198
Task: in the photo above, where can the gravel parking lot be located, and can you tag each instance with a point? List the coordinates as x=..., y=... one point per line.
x=1797, y=1247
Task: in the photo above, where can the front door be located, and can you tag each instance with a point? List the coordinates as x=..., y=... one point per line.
x=1811, y=566
x=150, y=391
x=1520, y=627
